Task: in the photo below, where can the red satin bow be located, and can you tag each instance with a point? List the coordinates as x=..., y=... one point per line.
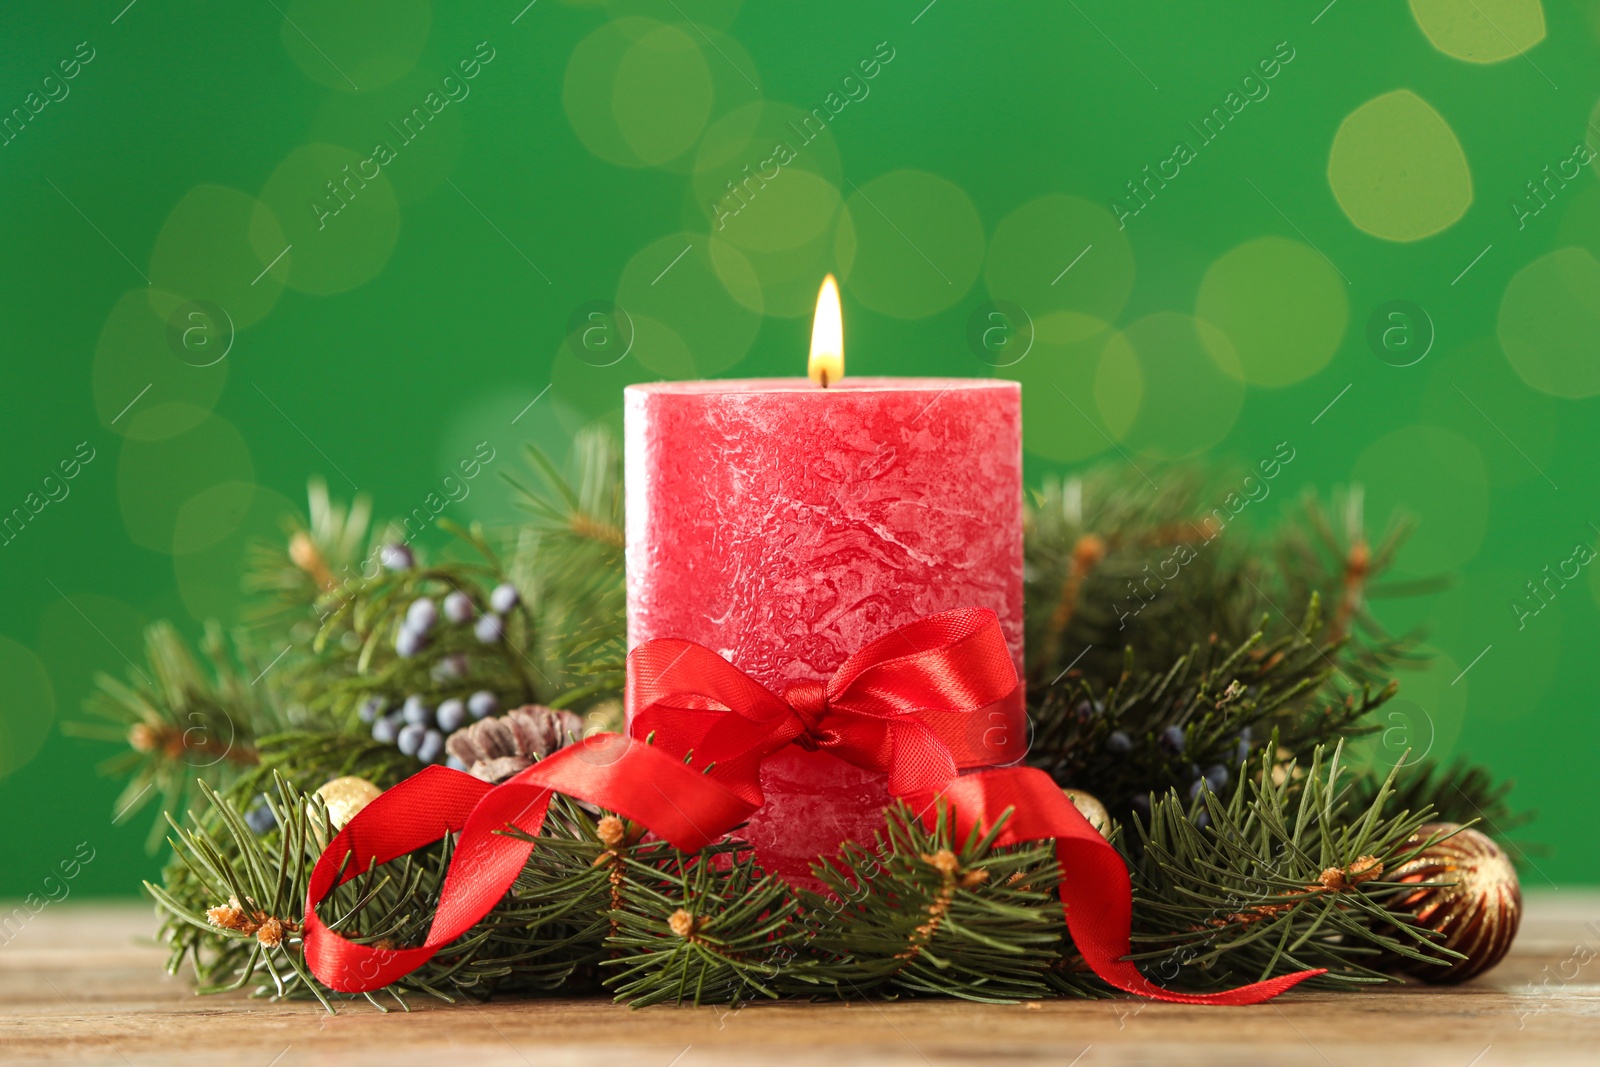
x=904, y=704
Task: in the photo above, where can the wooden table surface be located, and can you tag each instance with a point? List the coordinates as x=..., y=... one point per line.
x=83, y=984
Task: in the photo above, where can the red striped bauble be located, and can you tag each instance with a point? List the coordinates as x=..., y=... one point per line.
x=1478, y=914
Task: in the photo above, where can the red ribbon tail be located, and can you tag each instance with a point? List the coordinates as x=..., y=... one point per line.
x=1096, y=894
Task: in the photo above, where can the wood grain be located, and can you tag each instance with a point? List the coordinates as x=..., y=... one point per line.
x=77, y=985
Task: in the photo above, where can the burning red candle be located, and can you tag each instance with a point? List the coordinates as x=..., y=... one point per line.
x=786, y=523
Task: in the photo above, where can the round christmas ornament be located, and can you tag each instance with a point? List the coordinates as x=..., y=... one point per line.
x=1478, y=914
x=1091, y=809
x=344, y=797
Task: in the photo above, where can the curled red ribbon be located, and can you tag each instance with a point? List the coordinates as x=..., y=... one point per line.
x=898, y=706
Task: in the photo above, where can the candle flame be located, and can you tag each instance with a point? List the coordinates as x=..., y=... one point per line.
x=827, y=337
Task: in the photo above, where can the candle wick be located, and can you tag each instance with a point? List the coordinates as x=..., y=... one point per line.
x=823, y=374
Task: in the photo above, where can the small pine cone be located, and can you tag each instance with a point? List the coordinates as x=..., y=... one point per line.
x=539, y=730
x=496, y=748
x=499, y=769
x=229, y=916
x=486, y=739
x=270, y=933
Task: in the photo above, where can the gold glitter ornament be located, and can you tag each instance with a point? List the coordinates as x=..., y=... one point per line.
x=1091, y=809
x=345, y=797
x=1478, y=915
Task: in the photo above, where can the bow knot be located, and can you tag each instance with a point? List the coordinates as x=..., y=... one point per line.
x=809, y=702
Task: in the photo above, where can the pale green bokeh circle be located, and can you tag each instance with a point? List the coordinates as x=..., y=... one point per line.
x=1059, y=418
x=674, y=282
x=583, y=392
x=205, y=252
x=156, y=477
x=1549, y=322
x=339, y=241
x=1169, y=385
x=658, y=347
x=918, y=244
x=420, y=144
x=701, y=13
x=1060, y=252
x=356, y=45
x=662, y=94
x=27, y=706
x=782, y=216
x=227, y=520
x=1282, y=306
x=1438, y=478
x=751, y=138
x=1397, y=169
x=639, y=92
x=134, y=364
x=1481, y=31
x=795, y=208
x=210, y=516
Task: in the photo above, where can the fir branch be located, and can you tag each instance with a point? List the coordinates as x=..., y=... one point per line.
x=1282, y=877
x=921, y=912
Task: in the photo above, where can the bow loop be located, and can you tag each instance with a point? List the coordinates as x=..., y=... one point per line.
x=906, y=704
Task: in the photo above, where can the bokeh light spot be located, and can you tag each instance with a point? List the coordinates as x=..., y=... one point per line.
x=1060, y=252
x=1549, y=319
x=156, y=477
x=1169, y=385
x=1281, y=305
x=27, y=706
x=1438, y=479
x=339, y=214
x=1481, y=31
x=674, y=282
x=356, y=45
x=1059, y=420
x=918, y=244
x=1397, y=169
x=136, y=369
x=204, y=252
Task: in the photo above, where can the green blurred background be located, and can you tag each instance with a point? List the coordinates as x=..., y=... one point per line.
x=1365, y=230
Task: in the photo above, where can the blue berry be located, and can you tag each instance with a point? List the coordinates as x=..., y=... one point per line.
x=1195, y=788
x=411, y=738
x=1142, y=802
x=1173, y=738
x=1243, y=751
x=1202, y=820
x=397, y=557
x=455, y=763
x=483, y=703
x=1217, y=777
x=1246, y=734
x=260, y=818
x=408, y=642
x=371, y=708
x=451, y=714
x=416, y=711
x=489, y=629
x=458, y=607
x=1119, y=742
x=421, y=615
x=450, y=668
x=387, y=729
x=504, y=597
x=431, y=747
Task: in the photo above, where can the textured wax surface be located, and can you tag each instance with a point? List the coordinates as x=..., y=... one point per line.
x=786, y=526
